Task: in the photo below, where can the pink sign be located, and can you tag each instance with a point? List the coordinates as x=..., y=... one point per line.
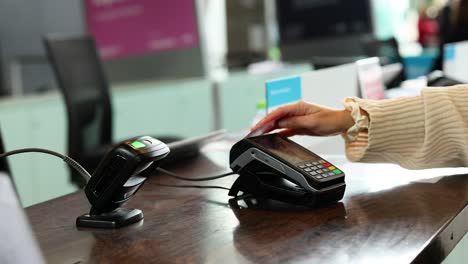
x=370, y=76
x=125, y=28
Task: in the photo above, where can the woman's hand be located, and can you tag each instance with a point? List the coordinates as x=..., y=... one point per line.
x=303, y=118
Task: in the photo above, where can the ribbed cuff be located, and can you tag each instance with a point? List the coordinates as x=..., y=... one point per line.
x=395, y=124
x=361, y=121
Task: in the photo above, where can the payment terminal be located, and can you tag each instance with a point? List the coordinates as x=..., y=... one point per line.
x=274, y=167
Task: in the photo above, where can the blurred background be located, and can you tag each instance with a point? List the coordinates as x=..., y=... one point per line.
x=187, y=67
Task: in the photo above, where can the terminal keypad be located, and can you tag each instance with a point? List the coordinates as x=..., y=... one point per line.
x=320, y=169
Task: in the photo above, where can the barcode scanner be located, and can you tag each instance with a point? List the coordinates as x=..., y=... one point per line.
x=117, y=178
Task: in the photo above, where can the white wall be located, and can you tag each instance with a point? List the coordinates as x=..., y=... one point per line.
x=212, y=22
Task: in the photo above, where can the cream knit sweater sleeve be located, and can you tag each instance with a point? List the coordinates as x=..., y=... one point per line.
x=426, y=131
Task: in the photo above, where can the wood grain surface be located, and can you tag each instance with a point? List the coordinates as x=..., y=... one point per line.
x=385, y=217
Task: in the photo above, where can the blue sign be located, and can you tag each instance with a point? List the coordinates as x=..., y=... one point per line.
x=449, y=52
x=283, y=91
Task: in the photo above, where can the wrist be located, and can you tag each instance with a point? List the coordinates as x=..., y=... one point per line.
x=346, y=120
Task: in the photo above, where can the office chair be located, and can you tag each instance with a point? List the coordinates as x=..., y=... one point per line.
x=387, y=51
x=3, y=161
x=4, y=166
x=82, y=81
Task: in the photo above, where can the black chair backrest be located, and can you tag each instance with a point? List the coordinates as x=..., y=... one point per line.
x=388, y=52
x=4, y=166
x=3, y=161
x=82, y=81
x=386, y=49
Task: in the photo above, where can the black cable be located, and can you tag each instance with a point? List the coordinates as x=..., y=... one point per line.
x=171, y=174
x=192, y=186
x=75, y=165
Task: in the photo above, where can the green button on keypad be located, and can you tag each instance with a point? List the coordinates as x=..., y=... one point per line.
x=336, y=171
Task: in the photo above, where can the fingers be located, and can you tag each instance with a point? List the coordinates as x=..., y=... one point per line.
x=281, y=112
x=273, y=116
x=270, y=126
x=294, y=122
x=296, y=132
x=302, y=118
x=288, y=132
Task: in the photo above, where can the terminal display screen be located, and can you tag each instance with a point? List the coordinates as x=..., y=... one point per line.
x=285, y=149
